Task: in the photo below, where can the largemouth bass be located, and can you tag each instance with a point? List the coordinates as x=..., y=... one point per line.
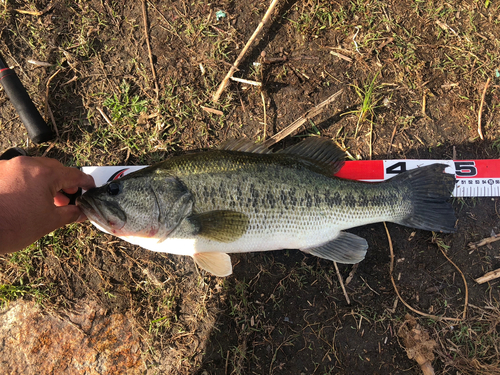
x=243, y=198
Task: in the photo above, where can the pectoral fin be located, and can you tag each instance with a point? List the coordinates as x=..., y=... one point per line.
x=346, y=248
x=222, y=226
x=218, y=264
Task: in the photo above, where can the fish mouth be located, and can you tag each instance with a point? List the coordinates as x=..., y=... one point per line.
x=96, y=215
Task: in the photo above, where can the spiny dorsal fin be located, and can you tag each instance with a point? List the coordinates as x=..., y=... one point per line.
x=345, y=248
x=218, y=264
x=244, y=145
x=222, y=226
x=320, y=150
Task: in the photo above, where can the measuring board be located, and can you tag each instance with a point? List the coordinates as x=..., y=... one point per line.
x=475, y=178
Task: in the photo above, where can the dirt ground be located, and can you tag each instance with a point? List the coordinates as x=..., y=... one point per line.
x=412, y=75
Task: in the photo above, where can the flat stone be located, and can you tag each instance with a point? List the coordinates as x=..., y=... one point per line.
x=84, y=341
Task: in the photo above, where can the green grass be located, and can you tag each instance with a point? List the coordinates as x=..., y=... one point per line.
x=9, y=292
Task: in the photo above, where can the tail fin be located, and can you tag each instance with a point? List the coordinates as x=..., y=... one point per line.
x=431, y=189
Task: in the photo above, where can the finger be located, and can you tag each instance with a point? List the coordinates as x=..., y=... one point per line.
x=61, y=200
x=67, y=214
x=71, y=190
x=82, y=218
x=71, y=178
x=63, y=177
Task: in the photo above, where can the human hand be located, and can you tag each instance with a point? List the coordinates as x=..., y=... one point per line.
x=31, y=202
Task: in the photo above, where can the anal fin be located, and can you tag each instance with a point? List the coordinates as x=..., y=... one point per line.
x=218, y=264
x=346, y=248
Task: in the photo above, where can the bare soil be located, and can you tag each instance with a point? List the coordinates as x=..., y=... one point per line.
x=280, y=312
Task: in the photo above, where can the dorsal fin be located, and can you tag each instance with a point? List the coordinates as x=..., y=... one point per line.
x=244, y=145
x=322, y=151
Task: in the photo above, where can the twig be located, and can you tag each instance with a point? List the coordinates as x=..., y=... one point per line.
x=301, y=120
x=464, y=314
x=47, y=93
x=241, y=100
x=51, y=114
x=391, y=269
x=244, y=51
x=480, y=114
x=212, y=110
x=40, y=63
x=36, y=13
x=340, y=56
x=386, y=42
x=52, y=144
x=104, y=116
x=351, y=274
x=488, y=277
x=369, y=287
x=145, y=16
x=370, y=146
x=424, y=102
x=247, y=81
x=265, y=116
x=392, y=138
x=484, y=241
x=342, y=283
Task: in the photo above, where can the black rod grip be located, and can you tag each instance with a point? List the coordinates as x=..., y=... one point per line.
x=38, y=131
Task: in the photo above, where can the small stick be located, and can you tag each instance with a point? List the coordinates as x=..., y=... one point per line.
x=391, y=269
x=241, y=100
x=340, y=56
x=265, y=117
x=370, y=145
x=351, y=274
x=484, y=241
x=488, y=277
x=480, y=114
x=247, y=81
x=369, y=287
x=38, y=12
x=424, y=102
x=52, y=144
x=40, y=63
x=383, y=44
x=212, y=110
x=244, y=51
x=51, y=114
x=145, y=15
x=464, y=314
x=104, y=116
x=301, y=120
x=342, y=283
x=392, y=138
x=47, y=93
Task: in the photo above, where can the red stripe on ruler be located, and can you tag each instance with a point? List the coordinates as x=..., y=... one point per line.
x=486, y=168
x=374, y=169
x=362, y=170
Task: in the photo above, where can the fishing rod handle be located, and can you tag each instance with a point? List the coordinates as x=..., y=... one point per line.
x=38, y=131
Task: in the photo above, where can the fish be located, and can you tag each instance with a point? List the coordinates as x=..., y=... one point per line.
x=242, y=197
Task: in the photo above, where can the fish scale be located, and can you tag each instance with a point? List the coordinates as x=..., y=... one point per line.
x=282, y=199
x=243, y=198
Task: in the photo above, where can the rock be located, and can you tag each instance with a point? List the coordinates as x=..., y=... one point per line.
x=86, y=341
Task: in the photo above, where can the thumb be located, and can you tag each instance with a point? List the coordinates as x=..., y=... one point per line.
x=67, y=214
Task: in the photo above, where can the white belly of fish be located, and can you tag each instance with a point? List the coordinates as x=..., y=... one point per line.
x=276, y=234
x=245, y=244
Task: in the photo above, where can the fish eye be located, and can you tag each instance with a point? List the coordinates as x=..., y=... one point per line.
x=113, y=188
